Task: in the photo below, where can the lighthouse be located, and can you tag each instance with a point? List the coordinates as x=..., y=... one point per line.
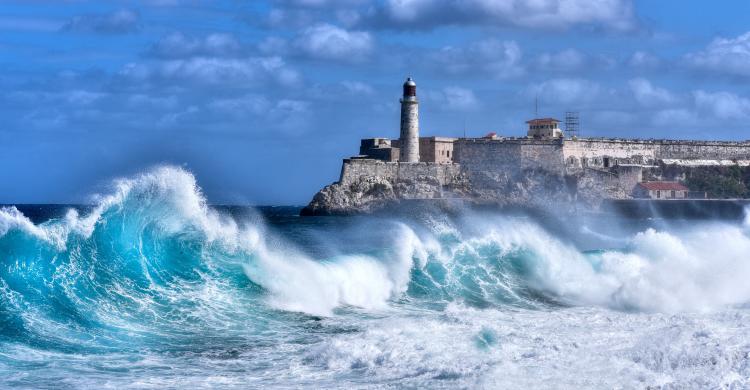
x=409, y=139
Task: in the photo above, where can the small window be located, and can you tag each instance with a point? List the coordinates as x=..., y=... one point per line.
x=673, y=194
x=658, y=194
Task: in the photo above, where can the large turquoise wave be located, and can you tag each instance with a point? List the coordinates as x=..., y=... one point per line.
x=152, y=265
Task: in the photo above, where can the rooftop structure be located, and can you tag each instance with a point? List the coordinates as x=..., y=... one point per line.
x=544, y=128
x=379, y=149
x=436, y=149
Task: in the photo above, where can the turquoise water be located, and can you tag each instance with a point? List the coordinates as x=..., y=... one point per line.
x=151, y=287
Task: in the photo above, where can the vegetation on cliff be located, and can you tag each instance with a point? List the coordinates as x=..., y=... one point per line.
x=720, y=182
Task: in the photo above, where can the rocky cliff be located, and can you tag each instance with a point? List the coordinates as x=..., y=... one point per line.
x=367, y=185
x=539, y=173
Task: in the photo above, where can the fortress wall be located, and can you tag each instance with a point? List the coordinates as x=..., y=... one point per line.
x=593, y=148
x=353, y=169
x=497, y=169
x=575, y=151
x=704, y=150
x=593, y=185
x=509, y=155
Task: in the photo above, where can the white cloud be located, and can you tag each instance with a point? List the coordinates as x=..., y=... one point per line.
x=542, y=14
x=453, y=98
x=174, y=118
x=289, y=106
x=325, y=41
x=723, y=105
x=460, y=98
x=293, y=117
x=566, y=60
x=159, y=102
x=118, y=22
x=648, y=95
x=358, y=88
x=274, y=45
x=610, y=117
x=76, y=97
x=82, y=97
x=162, y=3
x=674, y=117
x=242, y=106
x=566, y=91
x=236, y=72
x=211, y=70
x=322, y=3
x=642, y=59
x=724, y=55
x=177, y=45
x=489, y=57
x=45, y=118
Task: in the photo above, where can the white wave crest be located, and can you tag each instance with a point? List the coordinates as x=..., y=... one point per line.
x=299, y=283
x=698, y=269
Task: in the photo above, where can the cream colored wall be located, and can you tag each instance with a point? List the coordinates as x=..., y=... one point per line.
x=668, y=194
x=598, y=149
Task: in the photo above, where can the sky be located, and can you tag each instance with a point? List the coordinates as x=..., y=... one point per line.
x=261, y=100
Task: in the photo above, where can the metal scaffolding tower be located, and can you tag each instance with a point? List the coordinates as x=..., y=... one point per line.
x=572, y=123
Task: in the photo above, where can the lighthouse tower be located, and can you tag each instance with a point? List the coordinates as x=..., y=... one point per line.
x=409, y=139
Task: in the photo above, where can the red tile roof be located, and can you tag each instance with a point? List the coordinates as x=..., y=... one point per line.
x=663, y=186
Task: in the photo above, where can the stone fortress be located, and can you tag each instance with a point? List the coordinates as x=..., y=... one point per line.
x=542, y=169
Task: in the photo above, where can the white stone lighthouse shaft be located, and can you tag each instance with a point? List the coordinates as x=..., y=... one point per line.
x=409, y=124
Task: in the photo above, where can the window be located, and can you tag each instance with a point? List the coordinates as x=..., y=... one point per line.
x=658, y=194
x=606, y=162
x=673, y=194
x=449, y=154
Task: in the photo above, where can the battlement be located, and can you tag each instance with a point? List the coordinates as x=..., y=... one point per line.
x=656, y=141
x=353, y=169
x=511, y=140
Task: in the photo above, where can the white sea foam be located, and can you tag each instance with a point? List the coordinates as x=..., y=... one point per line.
x=678, y=296
x=578, y=348
x=299, y=283
x=701, y=268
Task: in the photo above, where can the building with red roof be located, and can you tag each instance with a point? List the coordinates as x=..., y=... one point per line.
x=661, y=190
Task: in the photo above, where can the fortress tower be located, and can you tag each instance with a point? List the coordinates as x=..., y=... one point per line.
x=409, y=139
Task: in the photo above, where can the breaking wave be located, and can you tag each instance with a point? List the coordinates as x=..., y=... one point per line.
x=152, y=262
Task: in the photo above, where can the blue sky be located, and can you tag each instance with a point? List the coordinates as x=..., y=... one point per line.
x=262, y=99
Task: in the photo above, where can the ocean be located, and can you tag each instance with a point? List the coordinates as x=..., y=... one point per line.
x=151, y=287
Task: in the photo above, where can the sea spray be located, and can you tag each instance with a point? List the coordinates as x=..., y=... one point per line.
x=153, y=277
